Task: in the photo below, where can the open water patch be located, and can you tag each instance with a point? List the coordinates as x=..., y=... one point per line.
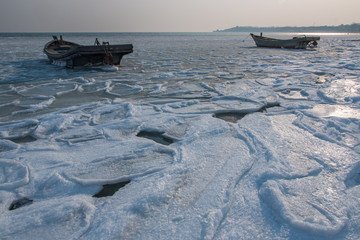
x=25, y=139
x=234, y=116
x=20, y=203
x=110, y=189
x=156, y=136
x=353, y=178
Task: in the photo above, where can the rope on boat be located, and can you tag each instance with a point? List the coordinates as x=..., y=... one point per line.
x=243, y=40
x=246, y=37
x=110, y=59
x=312, y=44
x=97, y=43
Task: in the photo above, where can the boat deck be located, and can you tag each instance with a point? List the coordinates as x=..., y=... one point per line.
x=60, y=49
x=80, y=55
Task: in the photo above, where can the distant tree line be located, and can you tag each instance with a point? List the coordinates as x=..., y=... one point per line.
x=350, y=28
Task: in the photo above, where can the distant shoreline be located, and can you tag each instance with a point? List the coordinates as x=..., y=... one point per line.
x=352, y=28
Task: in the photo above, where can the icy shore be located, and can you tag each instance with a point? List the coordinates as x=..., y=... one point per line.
x=206, y=137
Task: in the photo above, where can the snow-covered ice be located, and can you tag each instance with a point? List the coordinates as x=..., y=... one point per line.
x=196, y=136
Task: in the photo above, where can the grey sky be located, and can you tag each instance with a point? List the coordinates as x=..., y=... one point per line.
x=170, y=15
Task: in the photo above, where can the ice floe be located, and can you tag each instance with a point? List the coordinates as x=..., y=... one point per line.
x=194, y=136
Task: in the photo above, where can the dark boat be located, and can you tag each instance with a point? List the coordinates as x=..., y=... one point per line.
x=300, y=42
x=69, y=54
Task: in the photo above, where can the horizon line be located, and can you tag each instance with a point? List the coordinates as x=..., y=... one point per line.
x=318, y=26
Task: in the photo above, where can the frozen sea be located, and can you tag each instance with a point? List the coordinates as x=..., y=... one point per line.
x=194, y=136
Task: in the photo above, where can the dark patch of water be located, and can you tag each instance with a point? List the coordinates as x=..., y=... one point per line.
x=25, y=139
x=156, y=136
x=20, y=203
x=110, y=189
x=353, y=178
x=234, y=116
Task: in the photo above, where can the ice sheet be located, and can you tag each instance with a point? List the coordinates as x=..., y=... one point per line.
x=214, y=137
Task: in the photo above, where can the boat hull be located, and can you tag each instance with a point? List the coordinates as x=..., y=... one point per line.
x=72, y=55
x=295, y=43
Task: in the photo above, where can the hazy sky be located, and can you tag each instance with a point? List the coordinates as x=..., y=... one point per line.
x=170, y=15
